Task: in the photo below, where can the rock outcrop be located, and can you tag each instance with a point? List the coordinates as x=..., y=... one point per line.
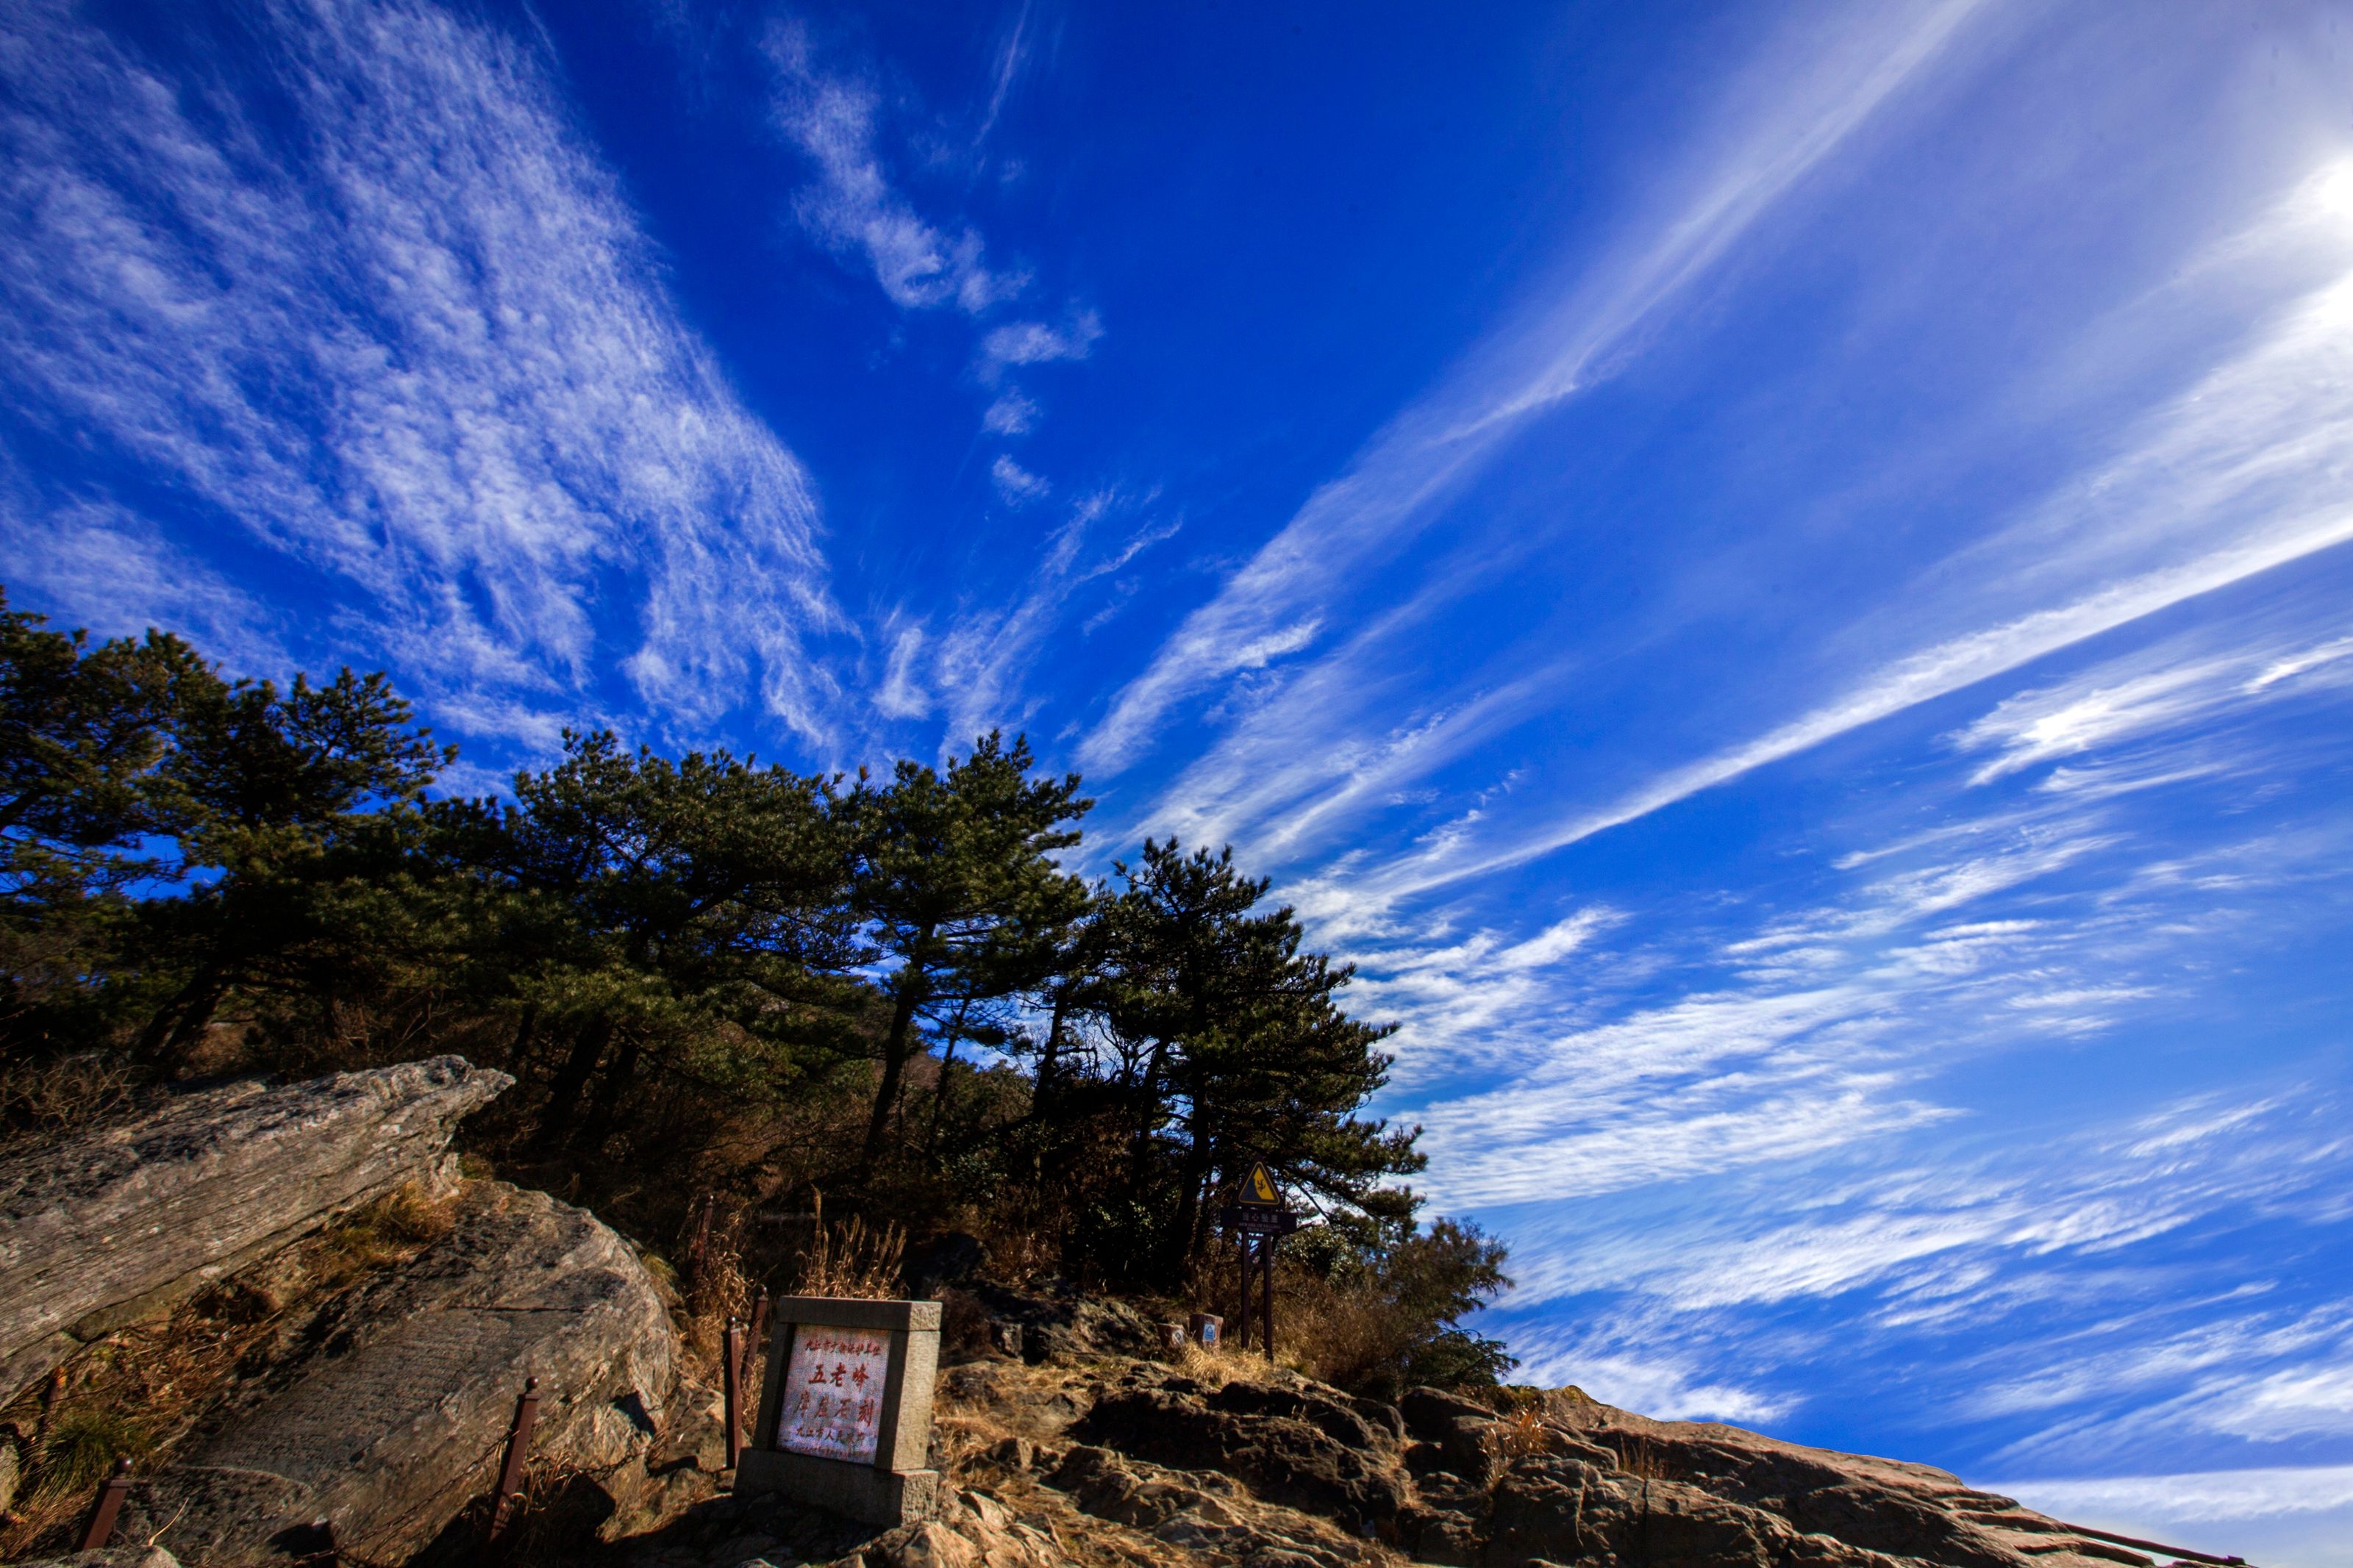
x=1618, y=1486
x=391, y=1414
x=1299, y=1447
x=1246, y=1467
x=113, y=1227
x=347, y=1394
x=1059, y=1321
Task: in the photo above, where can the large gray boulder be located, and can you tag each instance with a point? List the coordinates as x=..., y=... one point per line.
x=392, y=1413
x=113, y=1227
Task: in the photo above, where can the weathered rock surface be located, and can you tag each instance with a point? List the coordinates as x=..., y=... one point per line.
x=1060, y=1322
x=108, y=1228
x=1695, y=1487
x=1303, y=1448
x=975, y=1529
x=1270, y=1470
x=110, y=1557
x=392, y=1413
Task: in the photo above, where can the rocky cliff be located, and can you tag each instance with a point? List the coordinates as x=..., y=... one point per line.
x=114, y=1226
x=324, y=1330
x=315, y=1331
x=1109, y=1461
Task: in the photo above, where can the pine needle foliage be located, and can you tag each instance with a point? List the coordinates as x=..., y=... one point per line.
x=714, y=980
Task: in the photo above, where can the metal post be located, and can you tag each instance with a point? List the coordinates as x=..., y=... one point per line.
x=1242, y=1239
x=109, y=1502
x=730, y=1377
x=518, y=1454
x=1266, y=1291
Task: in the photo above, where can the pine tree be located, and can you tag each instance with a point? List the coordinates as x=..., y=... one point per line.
x=958, y=893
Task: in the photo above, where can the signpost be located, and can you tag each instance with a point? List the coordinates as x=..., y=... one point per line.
x=1257, y=1220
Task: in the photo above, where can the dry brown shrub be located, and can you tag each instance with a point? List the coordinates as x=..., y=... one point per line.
x=847, y=1258
x=1333, y=1334
x=717, y=1285
x=1019, y=1255
x=1521, y=1434
x=39, y=1100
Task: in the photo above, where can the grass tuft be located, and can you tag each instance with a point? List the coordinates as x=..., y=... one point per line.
x=82, y=1448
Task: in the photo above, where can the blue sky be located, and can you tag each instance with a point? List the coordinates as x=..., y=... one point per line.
x=1778, y=576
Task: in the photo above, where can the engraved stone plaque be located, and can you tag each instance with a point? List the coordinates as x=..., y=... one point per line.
x=846, y=1408
x=833, y=1393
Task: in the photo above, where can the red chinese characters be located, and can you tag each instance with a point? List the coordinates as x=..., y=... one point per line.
x=833, y=1381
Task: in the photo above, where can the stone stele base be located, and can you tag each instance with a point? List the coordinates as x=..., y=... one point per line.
x=858, y=1491
x=896, y=1487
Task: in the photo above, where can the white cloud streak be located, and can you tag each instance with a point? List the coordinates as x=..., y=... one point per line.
x=1036, y=342
x=1389, y=493
x=418, y=345
x=2198, y=1497
x=1016, y=486
x=854, y=206
x=2241, y=475
x=974, y=668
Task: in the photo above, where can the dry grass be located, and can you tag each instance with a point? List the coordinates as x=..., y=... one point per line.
x=714, y=1284
x=1216, y=1368
x=1636, y=1456
x=849, y=1259
x=81, y=1449
x=393, y=1228
x=1522, y=1435
x=559, y=1522
x=41, y=1100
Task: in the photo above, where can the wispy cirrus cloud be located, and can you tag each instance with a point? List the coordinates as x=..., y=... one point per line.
x=854, y=206
x=2043, y=914
x=972, y=670
x=1016, y=486
x=2166, y=687
x=833, y=112
x=2237, y=476
x=1037, y=342
x=1564, y=345
x=414, y=343
x=121, y=575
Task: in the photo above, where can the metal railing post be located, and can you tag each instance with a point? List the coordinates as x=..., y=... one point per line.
x=518, y=1454
x=108, y=1503
x=731, y=1378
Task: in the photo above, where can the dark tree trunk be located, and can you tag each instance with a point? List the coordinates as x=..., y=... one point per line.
x=1050, y=1058
x=571, y=1079
x=894, y=1064
x=608, y=1105
x=1192, y=1213
x=526, y=1035
x=948, y=1060
x=183, y=1017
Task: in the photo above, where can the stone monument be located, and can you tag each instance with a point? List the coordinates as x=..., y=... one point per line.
x=846, y=1408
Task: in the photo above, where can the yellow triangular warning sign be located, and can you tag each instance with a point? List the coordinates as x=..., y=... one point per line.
x=1258, y=1188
